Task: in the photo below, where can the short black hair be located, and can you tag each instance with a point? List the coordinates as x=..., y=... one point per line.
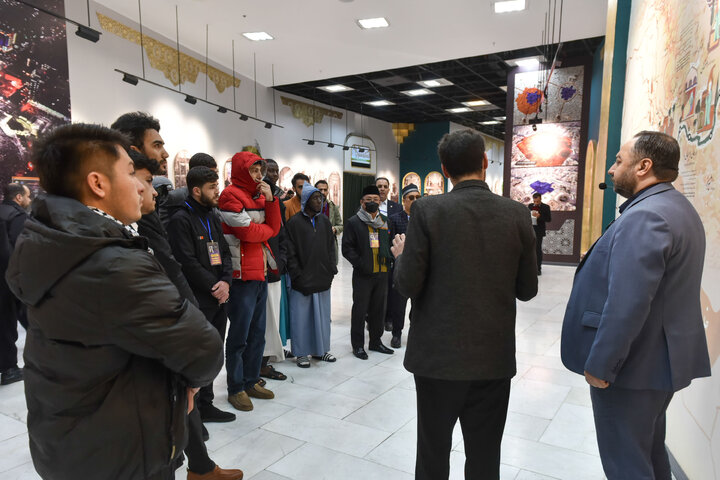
x=61, y=155
x=299, y=176
x=199, y=176
x=202, y=160
x=662, y=149
x=382, y=178
x=462, y=152
x=321, y=181
x=134, y=125
x=537, y=195
x=11, y=190
x=142, y=161
x=270, y=160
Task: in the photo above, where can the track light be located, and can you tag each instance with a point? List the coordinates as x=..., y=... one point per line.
x=311, y=142
x=268, y=125
x=190, y=99
x=346, y=148
x=131, y=79
x=244, y=118
x=222, y=110
x=361, y=150
x=331, y=145
x=88, y=33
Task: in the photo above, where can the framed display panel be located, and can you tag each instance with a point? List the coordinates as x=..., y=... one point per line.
x=434, y=184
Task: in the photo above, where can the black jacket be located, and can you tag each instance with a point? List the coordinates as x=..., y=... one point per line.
x=277, y=243
x=393, y=208
x=356, y=246
x=544, y=217
x=150, y=227
x=468, y=255
x=14, y=217
x=110, y=350
x=189, y=237
x=310, y=253
x=175, y=198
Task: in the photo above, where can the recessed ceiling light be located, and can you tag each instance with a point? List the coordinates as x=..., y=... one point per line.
x=527, y=62
x=367, y=23
x=475, y=103
x=500, y=118
x=509, y=6
x=257, y=36
x=417, y=92
x=489, y=122
x=379, y=103
x=435, y=82
x=459, y=110
x=504, y=88
x=335, y=88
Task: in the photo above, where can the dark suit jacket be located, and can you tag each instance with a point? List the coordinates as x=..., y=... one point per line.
x=634, y=317
x=14, y=216
x=398, y=223
x=544, y=217
x=468, y=255
x=393, y=208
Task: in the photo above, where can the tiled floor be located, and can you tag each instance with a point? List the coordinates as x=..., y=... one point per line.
x=356, y=419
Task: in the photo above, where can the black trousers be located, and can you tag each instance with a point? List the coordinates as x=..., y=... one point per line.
x=8, y=327
x=369, y=297
x=218, y=319
x=198, y=459
x=396, y=306
x=630, y=428
x=539, y=235
x=481, y=407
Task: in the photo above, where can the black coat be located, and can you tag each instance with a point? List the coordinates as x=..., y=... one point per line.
x=544, y=217
x=310, y=253
x=111, y=347
x=356, y=245
x=188, y=236
x=14, y=217
x=468, y=255
x=393, y=208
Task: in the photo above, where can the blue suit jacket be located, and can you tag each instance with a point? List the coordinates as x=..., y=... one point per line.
x=634, y=316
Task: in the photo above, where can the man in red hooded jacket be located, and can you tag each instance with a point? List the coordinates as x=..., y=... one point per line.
x=250, y=216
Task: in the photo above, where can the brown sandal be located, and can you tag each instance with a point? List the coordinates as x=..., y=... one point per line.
x=268, y=371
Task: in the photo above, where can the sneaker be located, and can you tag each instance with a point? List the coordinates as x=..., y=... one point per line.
x=260, y=392
x=288, y=353
x=328, y=357
x=216, y=474
x=303, y=362
x=241, y=401
x=11, y=375
x=210, y=413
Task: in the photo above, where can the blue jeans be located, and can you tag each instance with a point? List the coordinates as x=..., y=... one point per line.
x=246, y=336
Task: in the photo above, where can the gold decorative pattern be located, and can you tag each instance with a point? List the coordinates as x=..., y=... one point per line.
x=163, y=57
x=308, y=113
x=402, y=130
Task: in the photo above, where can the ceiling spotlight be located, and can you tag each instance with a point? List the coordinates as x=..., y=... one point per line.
x=346, y=147
x=222, y=109
x=258, y=36
x=435, y=82
x=475, y=103
x=88, y=33
x=459, y=110
x=268, y=125
x=244, y=117
x=379, y=103
x=490, y=122
x=331, y=145
x=131, y=79
x=417, y=92
x=311, y=142
x=367, y=23
x=527, y=62
x=335, y=88
x=190, y=99
x=507, y=6
x=361, y=150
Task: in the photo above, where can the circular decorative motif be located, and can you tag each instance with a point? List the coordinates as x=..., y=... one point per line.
x=529, y=100
x=568, y=91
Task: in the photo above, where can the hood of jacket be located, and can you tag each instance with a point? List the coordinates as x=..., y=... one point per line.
x=240, y=176
x=307, y=192
x=60, y=235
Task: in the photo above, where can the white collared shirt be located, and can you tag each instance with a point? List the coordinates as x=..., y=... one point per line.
x=383, y=207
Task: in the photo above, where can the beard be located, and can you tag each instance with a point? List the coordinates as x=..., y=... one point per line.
x=208, y=201
x=624, y=186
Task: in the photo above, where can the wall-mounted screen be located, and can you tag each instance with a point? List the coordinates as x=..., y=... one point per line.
x=360, y=156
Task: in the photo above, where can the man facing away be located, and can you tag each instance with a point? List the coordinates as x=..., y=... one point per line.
x=312, y=266
x=250, y=217
x=540, y=213
x=397, y=303
x=463, y=272
x=634, y=325
x=292, y=206
x=111, y=365
x=366, y=245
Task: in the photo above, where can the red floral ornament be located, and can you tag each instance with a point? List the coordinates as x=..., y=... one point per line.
x=529, y=101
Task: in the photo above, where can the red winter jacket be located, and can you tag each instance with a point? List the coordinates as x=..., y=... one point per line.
x=248, y=221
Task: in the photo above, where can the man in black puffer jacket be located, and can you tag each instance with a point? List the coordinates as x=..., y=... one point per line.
x=112, y=351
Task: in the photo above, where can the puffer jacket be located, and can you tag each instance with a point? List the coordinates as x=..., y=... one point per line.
x=248, y=221
x=111, y=347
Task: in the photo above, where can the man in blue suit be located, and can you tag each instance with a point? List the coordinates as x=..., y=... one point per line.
x=633, y=324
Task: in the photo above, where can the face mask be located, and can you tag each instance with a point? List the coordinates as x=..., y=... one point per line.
x=371, y=207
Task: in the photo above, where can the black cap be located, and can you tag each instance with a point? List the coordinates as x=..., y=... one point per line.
x=370, y=190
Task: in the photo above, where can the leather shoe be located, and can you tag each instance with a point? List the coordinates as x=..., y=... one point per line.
x=11, y=375
x=210, y=413
x=360, y=353
x=205, y=434
x=217, y=474
x=388, y=326
x=241, y=401
x=382, y=349
x=257, y=391
x=395, y=342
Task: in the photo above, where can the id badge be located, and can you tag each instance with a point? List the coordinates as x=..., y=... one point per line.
x=374, y=240
x=214, y=253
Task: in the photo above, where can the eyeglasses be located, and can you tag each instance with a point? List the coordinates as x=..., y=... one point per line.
x=412, y=198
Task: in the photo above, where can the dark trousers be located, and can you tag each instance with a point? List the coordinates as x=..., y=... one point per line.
x=539, y=235
x=396, y=305
x=369, y=297
x=630, y=426
x=246, y=336
x=198, y=459
x=8, y=328
x=218, y=319
x=481, y=407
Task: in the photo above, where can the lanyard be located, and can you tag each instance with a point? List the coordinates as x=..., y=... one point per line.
x=206, y=227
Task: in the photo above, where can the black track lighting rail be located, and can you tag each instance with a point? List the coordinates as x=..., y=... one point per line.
x=83, y=31
x=310, y=141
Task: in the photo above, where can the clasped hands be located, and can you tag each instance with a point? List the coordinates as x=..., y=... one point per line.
x=221, y=291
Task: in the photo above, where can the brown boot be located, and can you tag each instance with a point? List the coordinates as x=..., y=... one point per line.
x=260, y=392
x=241, y=401
x=217, y=474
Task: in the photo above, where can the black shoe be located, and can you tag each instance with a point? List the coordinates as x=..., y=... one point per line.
x=388, y=326
x=11, y=375
x=210, y=413
x=395, y=342
x=360, y=353
x=381, y=348
x=205, y=434
x=539, y=273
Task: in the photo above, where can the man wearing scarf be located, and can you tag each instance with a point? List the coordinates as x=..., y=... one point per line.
x=366, y=245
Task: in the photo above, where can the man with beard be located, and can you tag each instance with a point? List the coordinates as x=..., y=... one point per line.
x=177, y=197
x=144, y=133
x=292, y=206
x=331, y=211
x=366, y=245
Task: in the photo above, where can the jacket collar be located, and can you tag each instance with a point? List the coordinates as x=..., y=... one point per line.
x=15, y=205
x=470, y=184
x=648, y=192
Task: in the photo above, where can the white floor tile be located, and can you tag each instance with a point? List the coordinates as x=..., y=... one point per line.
x=573, y=428
x=540, y=399
x=550, y=460
x=388, y=412
x=11, y=427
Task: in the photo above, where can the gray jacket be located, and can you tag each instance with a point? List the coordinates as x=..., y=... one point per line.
x=468, y=255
